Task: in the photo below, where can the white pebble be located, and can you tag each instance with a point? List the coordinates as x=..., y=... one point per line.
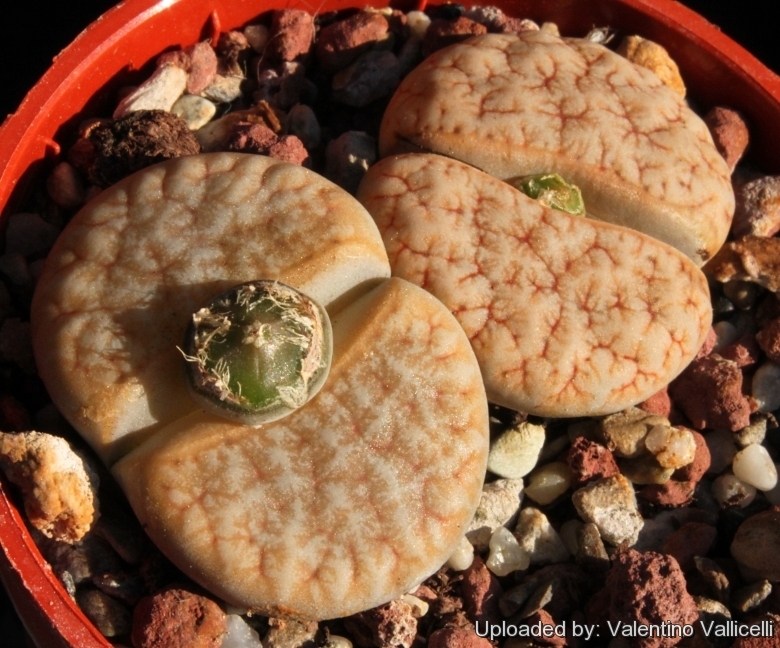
x=194, y=110
x=766, y=387
x=773, y=496
x=239, y=634
x=754, y=466
x=515, y=453
x=506, y=555
x=463, y=555
x=418, y=22
x=673, y=447
x=722, y=449
x=256, y=36
x=159, y=92
x=548, y=482
x=731, y=491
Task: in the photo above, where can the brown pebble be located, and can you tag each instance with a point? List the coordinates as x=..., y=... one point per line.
x=453, y=637
x=441, y=33
x=291, y=37
x=729, y=132
x=690, y=540
x=65, y=186
x=709, y=392
x=13, y=415
x=755, y=546
x=589, y=461
x=481, y=593
x=648, y=589
x=751, y=258
x=136, y=141
x=342, y=42
x=290, y=633
x=695, y=470
x=177, y=618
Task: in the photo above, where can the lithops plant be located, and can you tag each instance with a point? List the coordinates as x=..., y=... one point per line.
x=345, y=503
x=523, y=104
x=569, y=313
x=568, y=316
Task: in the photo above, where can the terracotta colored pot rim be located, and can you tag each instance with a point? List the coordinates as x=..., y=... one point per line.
x=82, y=77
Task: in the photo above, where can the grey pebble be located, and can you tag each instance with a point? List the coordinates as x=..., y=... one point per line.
x=372, y=76
x=28, y=233
x=110, y=617
x=302, y=122
x=348, y=157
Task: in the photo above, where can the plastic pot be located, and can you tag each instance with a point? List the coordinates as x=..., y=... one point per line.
x=120, y=49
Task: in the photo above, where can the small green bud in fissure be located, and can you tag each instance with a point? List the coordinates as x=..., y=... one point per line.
x=552, y=191
x=257, y=352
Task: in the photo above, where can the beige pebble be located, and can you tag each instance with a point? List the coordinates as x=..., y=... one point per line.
x=498, y=506
x=159, y=92
x=610, y=504
x=515, y=453
x=194, y=110
x=655, y=58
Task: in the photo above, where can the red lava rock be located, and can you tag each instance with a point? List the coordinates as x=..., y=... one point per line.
x=13, y=415
x=199, y=61
x=659, y=404
x=342, y=42
x=695, y=470
x=709, y=344
x=709, y=392
x=136, y=141
x=761, y=642
x=757, y=210
x=290, y=39
x=672, y=493
x=745, y=351
x=256, y=138
x=589, y=461
x=441, y=33
x=690, y=540
x=769, y=339
x=481, y=591
x=388, y=626
x=545, y=618
x=649, y=588
x=176, y=618
x=453, y=637
x=730, y=133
